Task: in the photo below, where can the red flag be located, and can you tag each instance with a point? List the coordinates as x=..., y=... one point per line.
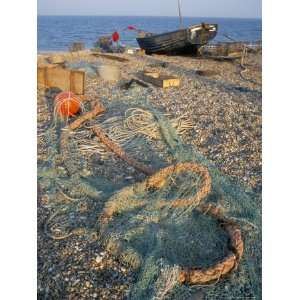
x=115, y=36
x=131, y=28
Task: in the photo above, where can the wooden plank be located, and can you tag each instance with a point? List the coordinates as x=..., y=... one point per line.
x=222, y=58
x=170, y=82
x=41, y=78
x=56, y=59
x=58, y=77
x=77, y=81
x=152, y=74
x=65, y=80
x=111, y=57
x=163, y=81
x=129, y=83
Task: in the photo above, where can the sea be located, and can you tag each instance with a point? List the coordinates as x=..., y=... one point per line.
x=56, y=33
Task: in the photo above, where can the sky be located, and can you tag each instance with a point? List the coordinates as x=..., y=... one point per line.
x=193, y=8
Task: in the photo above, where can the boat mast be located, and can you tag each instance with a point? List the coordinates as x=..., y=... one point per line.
x=180, y=16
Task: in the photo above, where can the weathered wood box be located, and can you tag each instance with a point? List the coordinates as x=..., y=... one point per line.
x=56, y=59
x=66, y=80
x=160, y=80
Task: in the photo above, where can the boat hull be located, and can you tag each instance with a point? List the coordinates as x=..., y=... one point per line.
x=180, y=41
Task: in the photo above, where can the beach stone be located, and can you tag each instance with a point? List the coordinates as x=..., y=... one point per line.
x=98, y=259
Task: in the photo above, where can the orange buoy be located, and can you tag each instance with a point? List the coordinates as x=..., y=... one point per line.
x=67, y=104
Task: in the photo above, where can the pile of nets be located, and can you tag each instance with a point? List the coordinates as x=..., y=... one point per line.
x=182, y=227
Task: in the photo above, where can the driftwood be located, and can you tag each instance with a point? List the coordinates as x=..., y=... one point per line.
x=111, y=57
x=120, y=152
x=222, y=58
x=128, y=84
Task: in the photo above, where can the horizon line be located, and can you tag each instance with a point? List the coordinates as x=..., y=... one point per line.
x=173, y=16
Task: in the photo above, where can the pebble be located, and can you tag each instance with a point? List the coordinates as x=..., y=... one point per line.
x=98, y=259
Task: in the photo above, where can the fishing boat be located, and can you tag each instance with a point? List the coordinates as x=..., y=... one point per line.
x=184, y=40
x=180, y=41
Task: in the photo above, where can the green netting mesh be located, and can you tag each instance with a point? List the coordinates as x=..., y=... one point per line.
x=83, y=180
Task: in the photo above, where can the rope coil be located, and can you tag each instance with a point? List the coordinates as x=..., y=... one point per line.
x=191, y=276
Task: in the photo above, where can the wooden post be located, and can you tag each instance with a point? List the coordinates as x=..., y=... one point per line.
x=180, y=16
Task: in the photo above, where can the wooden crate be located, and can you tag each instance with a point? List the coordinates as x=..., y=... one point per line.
x=160, y=80
x=66, y=80
x=153, y=74
x=56, y=59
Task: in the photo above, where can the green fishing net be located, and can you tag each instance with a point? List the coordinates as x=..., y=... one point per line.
x=83, y=179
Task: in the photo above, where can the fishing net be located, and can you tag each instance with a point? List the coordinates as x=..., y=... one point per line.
x=159, y=206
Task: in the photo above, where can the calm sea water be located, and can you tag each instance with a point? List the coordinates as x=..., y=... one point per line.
x=57, y=33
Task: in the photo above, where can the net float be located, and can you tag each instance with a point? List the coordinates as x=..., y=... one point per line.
x=115, y=36
x=67, y=104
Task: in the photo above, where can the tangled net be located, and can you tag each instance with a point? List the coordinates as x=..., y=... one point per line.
x=118, y=205
x=137, y=122
x=169, y=227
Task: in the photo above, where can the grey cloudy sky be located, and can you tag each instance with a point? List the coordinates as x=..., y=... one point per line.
x=197, y=8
